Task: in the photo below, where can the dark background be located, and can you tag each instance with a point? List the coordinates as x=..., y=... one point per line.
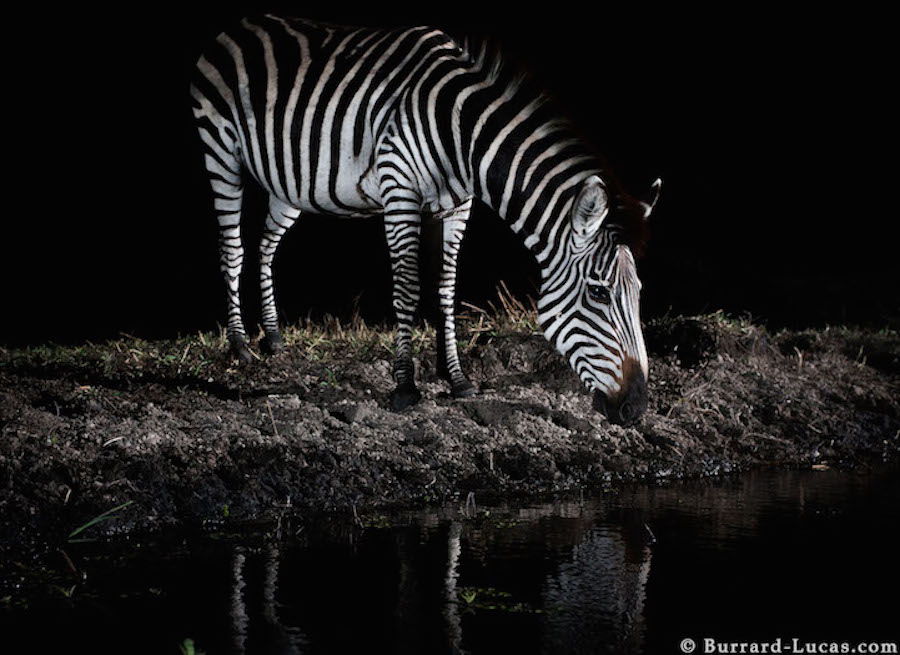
x=769, y=130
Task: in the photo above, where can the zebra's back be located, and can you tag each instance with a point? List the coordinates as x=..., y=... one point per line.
x=302, y=105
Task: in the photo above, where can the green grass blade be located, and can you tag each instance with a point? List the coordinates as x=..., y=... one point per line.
x=105, y=516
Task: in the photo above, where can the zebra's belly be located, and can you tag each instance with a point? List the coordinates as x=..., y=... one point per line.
x=319, y=190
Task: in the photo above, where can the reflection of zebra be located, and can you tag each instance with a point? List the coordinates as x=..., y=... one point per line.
x=595, y=601
x=408, y=124
x=260, y=628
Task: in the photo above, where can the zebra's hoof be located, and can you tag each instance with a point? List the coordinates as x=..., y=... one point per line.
x=405, y=395
x=463, y=390
x=272, y=343
x=241, y=352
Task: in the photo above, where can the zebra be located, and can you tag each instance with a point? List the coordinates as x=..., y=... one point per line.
x=413, y=125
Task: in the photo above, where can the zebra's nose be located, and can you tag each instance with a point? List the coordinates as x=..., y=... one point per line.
x=627, y=406
x=627, y=412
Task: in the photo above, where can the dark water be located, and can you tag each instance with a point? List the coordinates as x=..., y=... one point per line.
x=809, y=555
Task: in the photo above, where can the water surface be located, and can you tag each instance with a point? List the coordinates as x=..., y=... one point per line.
x=764, y=555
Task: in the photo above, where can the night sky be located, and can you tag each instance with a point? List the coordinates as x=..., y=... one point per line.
x=768, y=129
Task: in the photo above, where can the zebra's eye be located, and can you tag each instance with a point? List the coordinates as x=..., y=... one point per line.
x=598, y=293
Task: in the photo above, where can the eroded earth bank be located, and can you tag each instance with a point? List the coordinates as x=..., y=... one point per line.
x=185, y=435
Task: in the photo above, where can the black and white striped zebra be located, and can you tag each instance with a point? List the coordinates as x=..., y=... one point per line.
x=409, y=124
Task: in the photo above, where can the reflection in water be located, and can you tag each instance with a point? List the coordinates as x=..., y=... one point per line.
x=280, y=639
x=590, y=600
x=768, y=554
x=239, y=619
x=451, y=607
x=596, y=600
x=559, y=577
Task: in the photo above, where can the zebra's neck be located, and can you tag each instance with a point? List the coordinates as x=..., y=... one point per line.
x=533, y=186
x=525, y=162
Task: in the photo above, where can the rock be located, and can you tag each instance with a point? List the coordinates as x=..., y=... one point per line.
x=285, y=401
x=349, y=411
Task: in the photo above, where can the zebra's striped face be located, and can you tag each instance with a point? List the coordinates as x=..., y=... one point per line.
x=589, y=310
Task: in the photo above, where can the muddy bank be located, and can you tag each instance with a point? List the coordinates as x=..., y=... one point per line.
x=184, y=435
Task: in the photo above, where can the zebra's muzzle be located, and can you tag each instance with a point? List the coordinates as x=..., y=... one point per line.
x=627, y=406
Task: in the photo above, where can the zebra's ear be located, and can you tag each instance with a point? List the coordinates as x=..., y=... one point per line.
x=590, y=208
x=654, y=196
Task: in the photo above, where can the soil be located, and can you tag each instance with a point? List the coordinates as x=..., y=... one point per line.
x=192, y=438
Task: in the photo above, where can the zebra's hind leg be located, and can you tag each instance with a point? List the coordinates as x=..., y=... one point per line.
x=453, y=228
x=222, y=158
x=279, y=220
x=402, y=222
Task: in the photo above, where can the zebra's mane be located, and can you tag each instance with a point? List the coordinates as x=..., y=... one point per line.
x=627, y=222
x=626, y=219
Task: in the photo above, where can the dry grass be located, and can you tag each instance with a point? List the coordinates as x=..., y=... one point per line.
x=689, y=340
x=203, y=354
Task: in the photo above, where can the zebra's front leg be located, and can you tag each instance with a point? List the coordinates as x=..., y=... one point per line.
x=402, y=222
x=278, y=221
x=453, y=228
x=229, y=197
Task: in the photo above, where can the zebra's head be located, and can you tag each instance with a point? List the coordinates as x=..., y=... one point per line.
x=590, y=294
